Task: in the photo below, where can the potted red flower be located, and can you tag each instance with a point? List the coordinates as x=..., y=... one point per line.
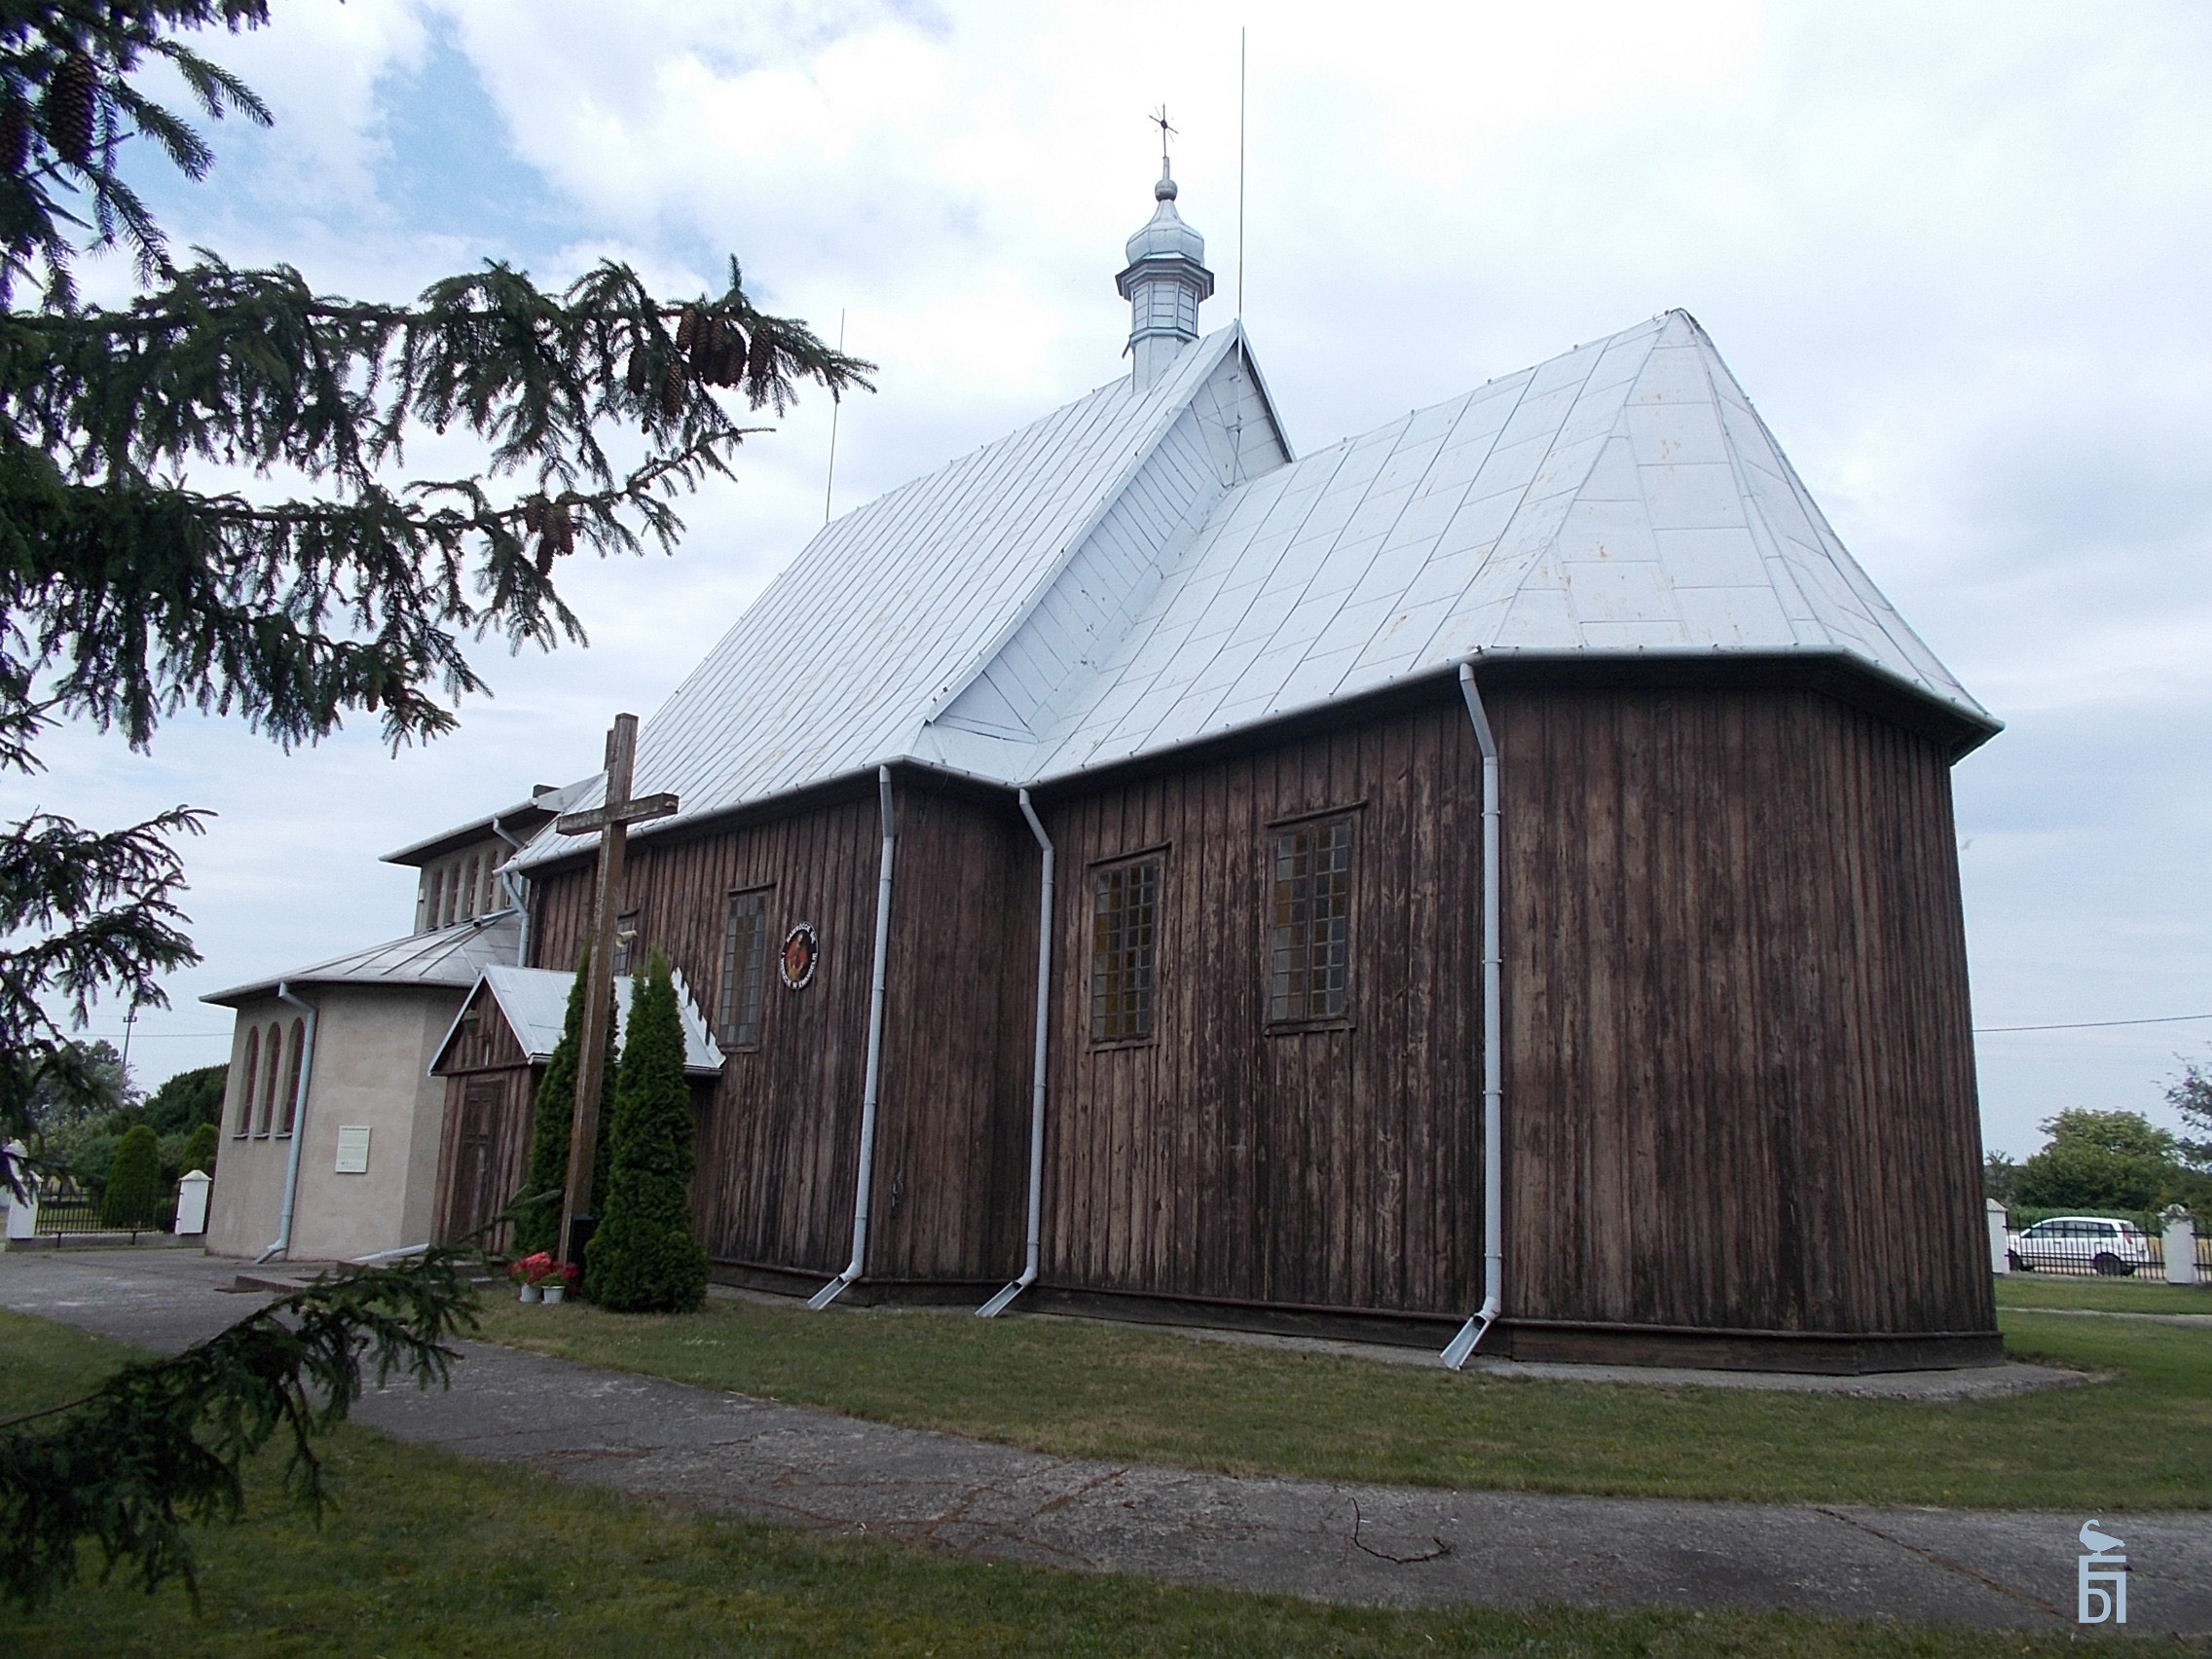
x=541, y=1278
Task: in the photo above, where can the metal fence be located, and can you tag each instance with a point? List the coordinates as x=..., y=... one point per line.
x=78, y=1213
x=2142, y=1257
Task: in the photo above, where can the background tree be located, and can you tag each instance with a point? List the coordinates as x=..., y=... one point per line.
x=537, y=1209
x=2191, y=1096
x=187, y=1100
x=2102, y=1160
x=643, y=1257
x=338, y=586
x=133, y=1195
x=342, y=586
x=200, y=1145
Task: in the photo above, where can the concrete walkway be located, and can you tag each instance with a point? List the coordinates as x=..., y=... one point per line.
x=1396, y=1545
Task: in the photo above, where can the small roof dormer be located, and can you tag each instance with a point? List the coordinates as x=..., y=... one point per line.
x=1163, y=283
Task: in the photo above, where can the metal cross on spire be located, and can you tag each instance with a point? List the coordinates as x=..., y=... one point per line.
x=1166, y=132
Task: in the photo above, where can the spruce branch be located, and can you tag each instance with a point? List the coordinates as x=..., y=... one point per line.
x=161, y=1444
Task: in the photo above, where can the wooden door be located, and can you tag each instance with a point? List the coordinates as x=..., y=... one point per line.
x=477, y=1163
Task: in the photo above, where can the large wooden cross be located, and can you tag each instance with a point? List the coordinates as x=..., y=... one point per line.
x=611, y=820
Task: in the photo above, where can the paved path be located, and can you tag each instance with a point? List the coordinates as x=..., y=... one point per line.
x=1393, y=1545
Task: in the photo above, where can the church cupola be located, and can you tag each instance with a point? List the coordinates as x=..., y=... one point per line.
x=1166, y=279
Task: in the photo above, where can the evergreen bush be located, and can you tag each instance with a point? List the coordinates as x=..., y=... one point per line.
x=200, y=1149
x=134, y=1196
x=643, y=1259
x=537, y=1220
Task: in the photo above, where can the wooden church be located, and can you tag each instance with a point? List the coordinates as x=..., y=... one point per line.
x=1489, y=879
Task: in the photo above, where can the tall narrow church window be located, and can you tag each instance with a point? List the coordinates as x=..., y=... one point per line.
x=273, y=1049
x=433, y=884
x=1124, y=925
x=1309, y=932
x=245, y=1090
x=745, y=969
x=451, y=913
x=468, y=892
x=625, y=940
x=292, y=1077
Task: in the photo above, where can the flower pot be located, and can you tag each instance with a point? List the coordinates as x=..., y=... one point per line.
x=529, y=1292
x=556, y=1292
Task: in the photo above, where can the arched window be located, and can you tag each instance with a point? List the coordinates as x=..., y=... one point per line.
x=292, y=1077
x=448, y=916
x=274, y=1042
x=252, y=1069
x=469, y=887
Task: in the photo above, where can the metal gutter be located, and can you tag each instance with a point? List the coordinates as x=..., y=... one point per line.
x=830, y=1292
x=283, y=1243
x=515, y=884
x=998, y=1304
x=1456, y=1351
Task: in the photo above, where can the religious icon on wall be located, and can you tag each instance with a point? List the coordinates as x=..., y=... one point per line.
x=801, y=950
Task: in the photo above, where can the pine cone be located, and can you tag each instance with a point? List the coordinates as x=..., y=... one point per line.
x=70, y=104
x=15, y=136
x=686, y=329
x=672, y=389
x=638, y=372
x=762, y=363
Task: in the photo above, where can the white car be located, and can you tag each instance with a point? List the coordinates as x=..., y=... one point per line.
x=2081, y=1242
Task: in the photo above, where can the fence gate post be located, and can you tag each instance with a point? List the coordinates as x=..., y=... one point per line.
x=2000, y=1237
x=23, y=1217
x=2181, y=1245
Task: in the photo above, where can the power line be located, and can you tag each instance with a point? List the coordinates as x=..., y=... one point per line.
x=2093, y=1024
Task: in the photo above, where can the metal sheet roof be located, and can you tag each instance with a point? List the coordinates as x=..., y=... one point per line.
x=1133, y=572
x=452, y=956
x=534, y=1001
x=1622, y=498
x=893, y=607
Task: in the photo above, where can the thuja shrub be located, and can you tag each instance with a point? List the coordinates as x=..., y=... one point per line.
x=133, y=1195
x=643, y=1258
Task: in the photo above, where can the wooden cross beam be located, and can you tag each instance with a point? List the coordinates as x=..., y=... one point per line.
x=611, y=821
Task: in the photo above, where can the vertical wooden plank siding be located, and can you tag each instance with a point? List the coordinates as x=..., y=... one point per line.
x=1740, y=1082
x=1739, y=1078
x=1739, y=1072
x=1334, y=1165
x=952, y=1131
x=778, y=1134
x=484, y=1145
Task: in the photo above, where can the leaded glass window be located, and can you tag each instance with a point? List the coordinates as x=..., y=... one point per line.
x=745, y=967
x=1310, y=923
x=1125, y=928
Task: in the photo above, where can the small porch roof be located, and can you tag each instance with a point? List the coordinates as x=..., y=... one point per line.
x=534, y=1001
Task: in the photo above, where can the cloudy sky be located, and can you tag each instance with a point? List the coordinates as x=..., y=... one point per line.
x=1956, y=253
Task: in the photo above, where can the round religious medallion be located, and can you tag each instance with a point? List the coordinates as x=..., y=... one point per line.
x=801, y=950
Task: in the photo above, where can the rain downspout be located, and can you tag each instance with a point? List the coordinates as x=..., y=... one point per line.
x=513, y=884
x=1455, y=1353
x=999, y=1302
x=830, y=1292
x=283, y=1244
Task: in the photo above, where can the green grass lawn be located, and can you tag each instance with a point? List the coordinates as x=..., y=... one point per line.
x=2141, y=1294
x=2141, y=1439
x=427, y=1553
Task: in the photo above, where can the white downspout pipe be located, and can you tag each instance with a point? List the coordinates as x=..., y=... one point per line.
x=283, y=1244
x=998, y=1304
x=516, y=890
x=830, y=1292
x=1455, y=1352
